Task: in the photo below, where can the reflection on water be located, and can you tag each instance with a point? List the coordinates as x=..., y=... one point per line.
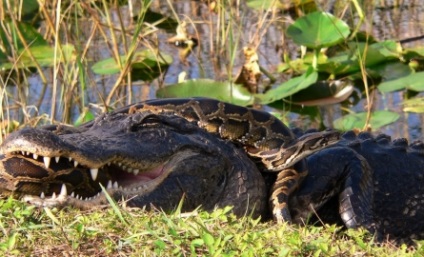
x=222, y=35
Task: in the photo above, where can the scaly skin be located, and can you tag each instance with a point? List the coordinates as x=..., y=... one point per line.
x=117, y=139
x=176, y=160
x=366, y=181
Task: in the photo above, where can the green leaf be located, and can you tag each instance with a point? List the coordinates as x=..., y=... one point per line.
x=30, y=35
x=144, y=61
x=208, y=239
x=44, y=55
x=317, y=30
x=391, y=70
x=114, y=205
x=357, y=120
x=289, y=87
x=195, y=244
x=372, y=54
x=224, y=91
x=237, y=94
x=414, y=53
x=413, y=81
x=23, y=8
x=85, y=116
x=302, y=65
x=11, y=241
x=264, y=4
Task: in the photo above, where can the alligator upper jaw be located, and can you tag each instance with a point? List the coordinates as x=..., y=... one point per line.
x=44, y=189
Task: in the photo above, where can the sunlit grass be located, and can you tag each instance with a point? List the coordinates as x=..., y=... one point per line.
x=27, y=230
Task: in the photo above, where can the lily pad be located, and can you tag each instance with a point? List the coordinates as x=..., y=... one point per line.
x=317, y=30
x=357, y=120
x=224, y=91
x=391, y=70
x=413, y=81
x=289, y=87
x=43, y=55
x=349, y=61
x=144, y=60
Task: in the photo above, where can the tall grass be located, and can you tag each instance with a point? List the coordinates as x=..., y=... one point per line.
x=94, y=29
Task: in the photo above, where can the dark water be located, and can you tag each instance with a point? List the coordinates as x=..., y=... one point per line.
x=219, y=55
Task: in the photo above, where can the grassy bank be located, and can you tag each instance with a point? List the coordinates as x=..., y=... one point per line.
x=28, y=231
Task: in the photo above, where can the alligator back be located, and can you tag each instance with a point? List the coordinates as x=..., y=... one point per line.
x=369, y=181
x=398, y=175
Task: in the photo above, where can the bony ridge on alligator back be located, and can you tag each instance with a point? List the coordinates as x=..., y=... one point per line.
x=261, y=134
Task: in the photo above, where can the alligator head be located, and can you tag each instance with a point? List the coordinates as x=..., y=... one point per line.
x=143, y=158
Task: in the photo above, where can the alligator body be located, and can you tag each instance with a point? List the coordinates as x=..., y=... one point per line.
x=145, y=160
x=209, y=154
x=156, y=152
x=389, y=174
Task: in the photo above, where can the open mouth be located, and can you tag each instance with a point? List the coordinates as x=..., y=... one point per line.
x=58, y=178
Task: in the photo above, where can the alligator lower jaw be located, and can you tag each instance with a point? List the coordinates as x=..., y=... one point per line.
x=125, y=185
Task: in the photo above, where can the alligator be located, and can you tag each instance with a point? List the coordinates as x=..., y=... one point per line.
x=214, y=154
x=156, y=152
x=390, y=175
x=163, y=160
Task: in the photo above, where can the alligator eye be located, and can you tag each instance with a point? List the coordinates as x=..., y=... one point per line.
x=142, y=120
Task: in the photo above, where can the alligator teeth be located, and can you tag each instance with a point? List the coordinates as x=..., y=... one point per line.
x=42, y=195
x=115, y=184
x=75, y=163
x=136, y=171
x=73, y=194
x=94, y=173
x=57, y=158
x=34, y=156
x=54, y=195
x=129, y=170
x=63, y=191
x=47, y=161
x=109, y=184
x=70, y=159
x=22, y=152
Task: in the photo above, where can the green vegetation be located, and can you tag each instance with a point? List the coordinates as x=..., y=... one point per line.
x=29, y=231
x=58, y=42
